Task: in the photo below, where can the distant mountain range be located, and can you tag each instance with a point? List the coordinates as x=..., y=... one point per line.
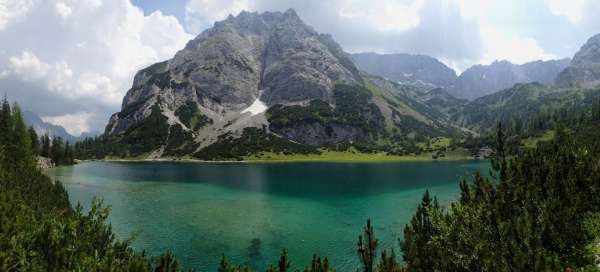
x=477, y=81
x=266, y=82
x=41, y=127
x=482, y=80
x=419, y=70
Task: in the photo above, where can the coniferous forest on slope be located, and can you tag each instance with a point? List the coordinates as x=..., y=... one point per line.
x=538, y=211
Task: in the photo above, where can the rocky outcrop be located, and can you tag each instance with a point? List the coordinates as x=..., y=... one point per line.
x=418, y=70
x=45, y=163
x=584, y=71
x=482, y=80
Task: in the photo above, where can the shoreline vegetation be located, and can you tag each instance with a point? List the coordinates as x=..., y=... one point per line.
x=325, y=156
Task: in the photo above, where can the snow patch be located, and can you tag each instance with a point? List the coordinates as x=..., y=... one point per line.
x=256, y=108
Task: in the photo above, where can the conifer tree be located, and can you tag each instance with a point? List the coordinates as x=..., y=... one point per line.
x=35, y=141
x=284, y=261
x=167, y=263
x=20, y=152
x=57, y=150
x=388, y=263
x=45, y=146
x=6, y=126
x=499, y=163
x=415, y=247
x=367, y=248
x=318, y=266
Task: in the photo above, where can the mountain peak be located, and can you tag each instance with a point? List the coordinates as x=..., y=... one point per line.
x=291, y=13
x=585, y=66
x=589, y=52
x=268, y=58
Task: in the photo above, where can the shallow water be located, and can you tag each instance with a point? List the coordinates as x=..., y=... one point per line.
x=250, y=212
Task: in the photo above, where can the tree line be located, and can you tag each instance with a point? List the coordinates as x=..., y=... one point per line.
x=18, y=137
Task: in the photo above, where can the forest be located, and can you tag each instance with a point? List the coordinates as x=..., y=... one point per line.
x=537, y=211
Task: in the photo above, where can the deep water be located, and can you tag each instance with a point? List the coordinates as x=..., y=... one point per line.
x=251, y=211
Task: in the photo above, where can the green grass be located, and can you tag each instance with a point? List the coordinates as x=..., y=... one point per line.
x=352, y=156
x=437, y=142
x=531, y=142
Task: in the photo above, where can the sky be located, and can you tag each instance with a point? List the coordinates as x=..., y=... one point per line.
x=72, y=61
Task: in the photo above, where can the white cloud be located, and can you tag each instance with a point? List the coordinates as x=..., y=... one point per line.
x=83, y=50
x=63, y=10
x=571, y=9
x=511, y=47
x=201, y=14
x=74, y=123
x=474, y=9
x=28, y=66
x=11, y=10
x=384, y=15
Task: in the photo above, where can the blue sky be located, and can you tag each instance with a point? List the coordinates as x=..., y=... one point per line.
x=168, y=7
x=72, y=61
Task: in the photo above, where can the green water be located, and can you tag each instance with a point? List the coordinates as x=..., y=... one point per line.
x=250, y=212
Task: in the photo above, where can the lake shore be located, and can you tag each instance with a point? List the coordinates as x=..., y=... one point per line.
x=326, y=156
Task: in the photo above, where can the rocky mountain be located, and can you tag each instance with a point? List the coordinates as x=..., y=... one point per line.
x=265, y=78
x=41, y=127
x=443, y=101
x=482, y=80
x=584, y=71
x=419, y=70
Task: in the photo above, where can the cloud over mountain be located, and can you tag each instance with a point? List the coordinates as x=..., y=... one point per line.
x=66, y=57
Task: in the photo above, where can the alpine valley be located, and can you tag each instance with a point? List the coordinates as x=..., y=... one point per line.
x=267, y=83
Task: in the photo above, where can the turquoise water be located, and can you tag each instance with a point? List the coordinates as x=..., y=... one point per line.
x=250, y=212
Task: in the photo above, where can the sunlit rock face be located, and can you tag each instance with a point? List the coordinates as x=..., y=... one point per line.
x=241, y=65
x=584, y=71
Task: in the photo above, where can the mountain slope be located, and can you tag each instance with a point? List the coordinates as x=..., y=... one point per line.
x=584, y=70
x=521, y=102
x=443, y=101
x=482, y=80
x=416, y=70
x=259, y=76
x=41, y=127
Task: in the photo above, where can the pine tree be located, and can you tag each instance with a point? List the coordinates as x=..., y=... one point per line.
x=57, y=150
x=415, y=247
x=499, y=163
x=284, y=261
x=35, y=141
x=388, y=263
x=68, y=154
x=319, y=266
x=45, y=146
x=224, y=265
x=367, y=249
x=596, y=111
x=167, y=263
x=21, y=142
x=6, y=126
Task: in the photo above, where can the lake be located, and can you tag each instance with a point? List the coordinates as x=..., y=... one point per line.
x=251, y=211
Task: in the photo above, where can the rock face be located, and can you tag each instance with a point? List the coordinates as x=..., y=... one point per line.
x=482, y=80
x=584, y=71
x=45, y=163
x=210, y=91
x=419, y=70
x=224, y=68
